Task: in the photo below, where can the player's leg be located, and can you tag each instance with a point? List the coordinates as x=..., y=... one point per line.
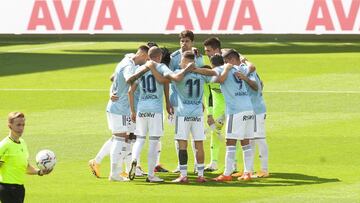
x=118, y=147
x=194, y=154
x=246, y=135
x=156, y=131
x=94, y=164
x=197, y=130
x=159, y=167
x=262, y=145
x=231, y=137
x=217, y=141
x=182, y=130
x=141, y=130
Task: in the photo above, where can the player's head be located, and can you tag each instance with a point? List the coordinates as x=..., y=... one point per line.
x=186, y=58
x=231, y=56
x=16, y=123
x=141, y=55
x=155, y=54
x=216, y=60
x=186, y=40
x=212, y=46
x=152, y=44
x=165, y=56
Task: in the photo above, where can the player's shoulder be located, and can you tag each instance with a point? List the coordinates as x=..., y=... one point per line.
x=176, y=53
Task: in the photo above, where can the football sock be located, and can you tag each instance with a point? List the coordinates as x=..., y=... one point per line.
x=263, y=153
x=104, y=151
x=229, y=160
x=248, y=158
x=117, y=154
x=183, y=159
x=152, y=155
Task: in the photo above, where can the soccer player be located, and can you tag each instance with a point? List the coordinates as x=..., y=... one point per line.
x=149, y=115
x=186, y=44
x=215, y=108
x=118, y=112
x=259, y=130
x=189, y=117
x=239, y=113
x=14, y=163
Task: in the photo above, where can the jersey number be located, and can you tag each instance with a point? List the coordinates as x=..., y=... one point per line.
x=190, y=84
x=239, y=81
x=148, y=84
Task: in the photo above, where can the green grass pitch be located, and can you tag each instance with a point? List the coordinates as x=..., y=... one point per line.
x=312, y=92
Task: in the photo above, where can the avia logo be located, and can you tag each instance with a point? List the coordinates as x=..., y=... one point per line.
x=346, y=19
x=246, y=15
x=106, y=15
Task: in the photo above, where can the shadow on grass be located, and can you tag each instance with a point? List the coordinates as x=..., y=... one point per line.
x=275, y=180
x=23, y=63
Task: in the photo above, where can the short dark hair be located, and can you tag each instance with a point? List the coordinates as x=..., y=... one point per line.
x=217, y=60
x=230, y=53
x=214, y=42
x=166, y=56
x=143, y=48
x=152, y=44
x=187, y=33
x=189, y=55
x=14, y=115
x=154, y=52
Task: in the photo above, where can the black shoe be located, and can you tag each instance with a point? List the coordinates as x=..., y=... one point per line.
x=132, y=170
x=159, y=168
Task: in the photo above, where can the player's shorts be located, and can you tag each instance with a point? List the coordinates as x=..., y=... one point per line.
x=240, y=126
x=259, y=125
x=149, y=123
x=117, y=123
x=186, y=125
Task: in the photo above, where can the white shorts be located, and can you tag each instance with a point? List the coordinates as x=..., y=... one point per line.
x=151, y=123
x=240, y=126
x=259, y=127
x=117, y=123
x=185, y=125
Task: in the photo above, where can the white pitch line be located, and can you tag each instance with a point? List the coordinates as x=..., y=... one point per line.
x=48, y=47
x=103, y=90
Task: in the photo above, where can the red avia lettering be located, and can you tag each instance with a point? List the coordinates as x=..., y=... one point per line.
x=41, y=15
x=346, y=18
x=206, y=18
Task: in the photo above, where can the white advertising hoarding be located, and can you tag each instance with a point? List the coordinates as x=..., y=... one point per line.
x=172, y=16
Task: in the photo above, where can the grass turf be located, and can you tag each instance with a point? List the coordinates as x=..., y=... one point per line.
x=312, y=136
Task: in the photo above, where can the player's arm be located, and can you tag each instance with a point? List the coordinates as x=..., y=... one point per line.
x=250, y=82
x=159, y=77
x=169, y=108
x=208, y=101
x=223, y=76
x=180, y=75
x=204, y=71
x=250, y=65
x=137, y=75
x=131, y=93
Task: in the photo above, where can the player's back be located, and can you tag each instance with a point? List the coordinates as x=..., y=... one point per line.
x=257, y=99
x=120, y=88
x=236, y=95
x=151, y=91
x=190, y=92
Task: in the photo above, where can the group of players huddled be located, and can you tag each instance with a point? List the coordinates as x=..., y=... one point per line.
x=229, y=89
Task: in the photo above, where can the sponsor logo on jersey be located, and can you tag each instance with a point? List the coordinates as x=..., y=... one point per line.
x=191, y=118
x=241, y=93
x=146, y=115
x=248, y=117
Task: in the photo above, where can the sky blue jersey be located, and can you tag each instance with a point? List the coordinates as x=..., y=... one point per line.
x=236, y=95
x=120, y=87
x=189, y=94
x=151, y=91
x=257, y=99
x=128, y=72
x=175, y=65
